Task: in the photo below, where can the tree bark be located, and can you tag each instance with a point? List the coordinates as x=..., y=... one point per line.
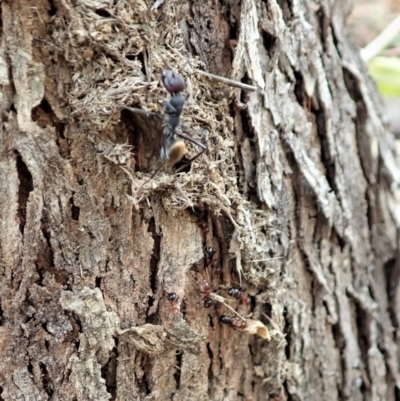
x=296, y=196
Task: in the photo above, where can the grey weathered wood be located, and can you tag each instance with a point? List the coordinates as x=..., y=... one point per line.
x=296, y=195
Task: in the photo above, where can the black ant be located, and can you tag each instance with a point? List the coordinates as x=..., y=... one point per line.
x=173, y=298
x=211, y=261
x=272, y=395
x=210, y=252
x=235, y=323
x=172, y=145
x=238, y=294
x=205, y=289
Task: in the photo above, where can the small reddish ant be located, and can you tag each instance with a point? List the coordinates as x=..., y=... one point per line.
x=238, y=294
x=173, y=298
x=205, y=289
x=235, y=323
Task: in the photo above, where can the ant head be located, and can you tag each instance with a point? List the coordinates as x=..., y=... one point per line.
x=210, y=252
x=208, y=302
x=234, y=292
x=223, y=319
x=172, y=297
x=172, y=81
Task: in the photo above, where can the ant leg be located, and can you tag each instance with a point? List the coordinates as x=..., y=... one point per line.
x=142, y=111
x=199, y=144
x=153, y=175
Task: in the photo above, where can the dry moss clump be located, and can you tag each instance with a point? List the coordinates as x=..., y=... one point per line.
x=117, y=54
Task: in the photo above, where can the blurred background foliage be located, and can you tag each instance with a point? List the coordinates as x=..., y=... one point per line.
x=367, y=21
x=386, y=73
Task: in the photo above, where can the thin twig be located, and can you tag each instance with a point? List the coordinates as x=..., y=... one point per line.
x=222, y=300
x=142, y=111
x=264, y=260
x=229, y=81
x=156, y=4
x=381, y=41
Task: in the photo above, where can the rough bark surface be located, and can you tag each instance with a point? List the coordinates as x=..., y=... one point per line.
x=295, y=195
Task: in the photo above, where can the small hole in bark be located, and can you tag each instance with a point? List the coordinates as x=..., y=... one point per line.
x=52, y=9
x=75, y=210
x=30, y=368
x=181, y=163
x=140, y=57
x=268, y=41
x=103, y=13
x=299, y=90
x=131, y=57
x=43, y=114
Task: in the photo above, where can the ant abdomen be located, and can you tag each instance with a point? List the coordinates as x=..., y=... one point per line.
x=223, y=319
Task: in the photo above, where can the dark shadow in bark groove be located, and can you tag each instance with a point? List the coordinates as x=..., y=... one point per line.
x=140, y=57
x=47, y=383
x=155, y=258
x=210, y=359
x=109, y=371
x=325, y=157
x=288, y=330
x=45, y=258
x=269, y=42
x=75, y=210
x=144, y=384
x=145, y=136
x=103, y=13
x=363, y=319
x=287, y=14
x=299, y=89
x=44, y=116
x=247, y=153
x=396, y=393
x=392, y=274
x=340, y=345
x=363, y=144
x=177, y=374
x=25, y=188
